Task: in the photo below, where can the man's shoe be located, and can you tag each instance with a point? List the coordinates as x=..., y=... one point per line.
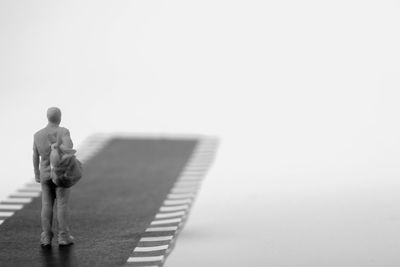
x=45, y=239
x=65, y=240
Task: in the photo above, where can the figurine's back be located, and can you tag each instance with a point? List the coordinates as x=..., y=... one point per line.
x=42, y=142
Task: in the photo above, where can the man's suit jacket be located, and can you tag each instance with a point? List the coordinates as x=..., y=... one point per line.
x=42, y=141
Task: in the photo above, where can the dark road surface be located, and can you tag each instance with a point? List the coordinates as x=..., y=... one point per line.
x=123, y=187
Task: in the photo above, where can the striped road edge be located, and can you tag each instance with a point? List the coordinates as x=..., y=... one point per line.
x=159, y=238
x=23, y=196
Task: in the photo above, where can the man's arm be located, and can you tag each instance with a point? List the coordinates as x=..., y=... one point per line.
x=36, y=160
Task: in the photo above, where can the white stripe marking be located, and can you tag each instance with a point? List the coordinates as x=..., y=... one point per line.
x=178, y=202
x=158, y=222
x=202, y=155
x=190, y=181
x=186, y=172
x=208, y=144
x=185, y=187
x=145, y=259
x=162, y=229
x=26, y=194
x=191, y=177
x=30, y=189
x=11, y=206
x=6, y=213
x=199, y=180
x=174, y=208
x=169, y=215
x=194, y=170
x=184, y=190
x=156, y=238
x=147, y=249
x=33, y=185
x=187, y=183
x=205, y=152
x=195, y=166
x=1, y=221
x=192, y=173
x=208, y=141
x=182, y=193
x=199, y=157
x=198, y=162
x=198, y=174
x=17, y=200
x=179, y=196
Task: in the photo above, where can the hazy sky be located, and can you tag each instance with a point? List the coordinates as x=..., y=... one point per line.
x=314, y=80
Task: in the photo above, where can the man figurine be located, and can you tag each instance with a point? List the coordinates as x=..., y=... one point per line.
x=44, y=139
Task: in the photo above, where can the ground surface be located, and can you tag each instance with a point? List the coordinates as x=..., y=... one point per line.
x=123, y=187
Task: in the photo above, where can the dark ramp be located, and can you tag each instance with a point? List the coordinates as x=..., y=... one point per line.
x=123, y=187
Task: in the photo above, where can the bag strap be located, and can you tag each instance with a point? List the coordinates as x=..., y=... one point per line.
x=58, y=142
x=58, y=137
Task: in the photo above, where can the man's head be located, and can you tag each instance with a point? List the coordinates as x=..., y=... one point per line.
x=54, y=115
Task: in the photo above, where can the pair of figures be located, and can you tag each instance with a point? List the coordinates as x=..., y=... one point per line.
x=47, y=143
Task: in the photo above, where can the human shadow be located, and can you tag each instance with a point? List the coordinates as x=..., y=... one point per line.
x=63, y=256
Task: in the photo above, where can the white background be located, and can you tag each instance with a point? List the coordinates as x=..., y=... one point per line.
x=303, y=94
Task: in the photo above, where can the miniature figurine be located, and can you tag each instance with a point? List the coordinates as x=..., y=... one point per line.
x=57, y=139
